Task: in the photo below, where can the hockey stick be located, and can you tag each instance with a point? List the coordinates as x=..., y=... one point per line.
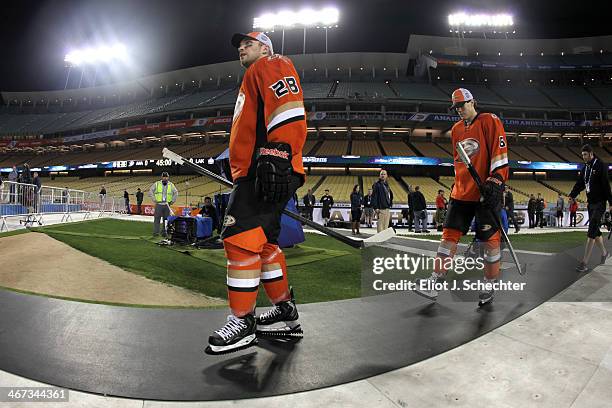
x=170, y=208
x=373, y=240
x=463, y=156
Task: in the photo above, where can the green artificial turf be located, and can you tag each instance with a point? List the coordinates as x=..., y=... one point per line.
x=321, y=269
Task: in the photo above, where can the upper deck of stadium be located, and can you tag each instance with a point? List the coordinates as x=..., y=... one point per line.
x=549, y=79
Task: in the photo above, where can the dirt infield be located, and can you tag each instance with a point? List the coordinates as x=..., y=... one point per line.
x=38, y=263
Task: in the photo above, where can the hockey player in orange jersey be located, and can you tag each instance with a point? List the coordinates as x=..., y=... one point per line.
x=266, y=140
x=483, y=137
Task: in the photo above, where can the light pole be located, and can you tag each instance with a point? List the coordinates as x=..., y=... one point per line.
x=94, y=56
x=307, y=18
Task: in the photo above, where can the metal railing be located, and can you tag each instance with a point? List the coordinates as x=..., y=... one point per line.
x=31, y=203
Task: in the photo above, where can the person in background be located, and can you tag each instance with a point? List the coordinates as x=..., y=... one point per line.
x=13, y=177
x=327, y=201
x=573, y=209
x=382, y=201
x=139, y=198
x=164, y=194
x=309, y=201
x=367, y=208
x=540, y=206
x=441, y=204
x=36, y=181
x=419, y=206
x=26, y=178
x=509, y=208
x=356, y=203
x=531, y=209
x=560, y=208
x=102, y=197
x=209, y=210
x=594, y=179
x=26, y=174
x=126, y=198
x=410, y=209
x=65, y=195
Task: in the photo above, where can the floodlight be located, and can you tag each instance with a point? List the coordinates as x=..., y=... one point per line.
x=308, y=17
x=480, y=20
x=102, y=54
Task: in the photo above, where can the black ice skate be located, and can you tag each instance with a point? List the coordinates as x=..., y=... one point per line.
x=486, y=296
x=237, y=334
x=281, y=320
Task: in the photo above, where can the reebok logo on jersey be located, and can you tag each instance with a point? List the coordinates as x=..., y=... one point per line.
x=274, y=152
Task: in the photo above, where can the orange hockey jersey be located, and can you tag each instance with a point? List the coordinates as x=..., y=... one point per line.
x=269, y=108
x=484, y=140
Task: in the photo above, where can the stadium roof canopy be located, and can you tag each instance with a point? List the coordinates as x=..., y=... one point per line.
x=422, y=44
x=227, y=72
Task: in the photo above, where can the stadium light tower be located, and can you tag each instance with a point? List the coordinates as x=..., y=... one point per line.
x=480, y=22
x=306, y=18
x=95, y=56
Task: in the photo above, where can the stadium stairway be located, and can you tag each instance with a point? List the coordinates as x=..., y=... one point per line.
x=599, y=101
x=545, y=184
x=547, y=96
x=414, y=149
x=395, y=92
x=316, y=147
x=553, y=151
x=536, y=154
x=516, y=190
x=442, y=147
x=382, y=149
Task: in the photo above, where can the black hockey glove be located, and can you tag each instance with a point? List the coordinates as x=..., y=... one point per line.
x=492, y=190
x=273, y=172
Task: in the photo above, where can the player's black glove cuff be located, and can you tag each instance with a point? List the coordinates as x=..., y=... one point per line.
x=273, y=172
x=492, y=190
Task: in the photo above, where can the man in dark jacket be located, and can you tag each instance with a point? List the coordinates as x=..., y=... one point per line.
x=327, y=201
x=540, y=206
x=594, y=179
x=35, y=199
x=382, y=201
x=367, y=208
x=419, y=208
x=209, y=210
x=139, y=198
x=509, y=207
x=309, y=201
x=126, y=198
x=531, y=208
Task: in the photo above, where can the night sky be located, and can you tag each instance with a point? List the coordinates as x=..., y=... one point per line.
x=167, y=35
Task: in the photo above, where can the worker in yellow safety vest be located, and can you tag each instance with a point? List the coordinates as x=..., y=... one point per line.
x=164, y=194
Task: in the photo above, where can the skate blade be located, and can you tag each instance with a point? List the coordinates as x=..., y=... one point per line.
x=296, y=332
x=432, y=298
x=208, y=350
x=482, y=303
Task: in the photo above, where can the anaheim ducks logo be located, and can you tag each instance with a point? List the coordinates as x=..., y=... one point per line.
x=471, y=146
x=228, y=221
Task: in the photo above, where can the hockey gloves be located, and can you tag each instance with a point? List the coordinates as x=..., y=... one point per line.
x=492, y=190
x=273, y=172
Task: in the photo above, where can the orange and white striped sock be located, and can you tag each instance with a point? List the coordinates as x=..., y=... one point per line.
x=274, y=273
x=243, y=274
